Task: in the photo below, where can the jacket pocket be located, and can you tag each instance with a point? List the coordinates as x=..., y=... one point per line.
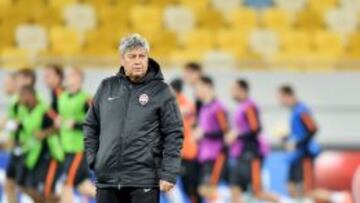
x=105, y=162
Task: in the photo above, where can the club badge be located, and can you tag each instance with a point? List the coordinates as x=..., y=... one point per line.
x=143, y=99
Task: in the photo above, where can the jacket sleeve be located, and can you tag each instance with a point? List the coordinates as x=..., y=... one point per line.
x=91, y=128
x=171, y=127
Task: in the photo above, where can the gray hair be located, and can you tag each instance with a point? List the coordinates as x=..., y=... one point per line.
x=133, y=41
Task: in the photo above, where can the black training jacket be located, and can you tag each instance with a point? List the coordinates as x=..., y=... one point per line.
x=134, y=131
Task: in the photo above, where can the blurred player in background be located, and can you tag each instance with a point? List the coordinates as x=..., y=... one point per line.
x=7, y=123
x=37, y=125
x=10, y=86
x=53, y=77
x=15, y=171
x=10, y=92
x=72, y=107
x=192, y=74
x=247, y=149
x=300, y=143
x=190, y=169
x=212, y=126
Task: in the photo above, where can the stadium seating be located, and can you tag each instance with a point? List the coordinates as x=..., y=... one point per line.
x=351, y=4
x=322, y=5
x=225, y=5
x=264, y=42
x=210, y=19
x=80, y=17
x=195, y=5
x=353, y=49
x=343, y=21
x=188, y=29
x=276, y=19
x=145, y=18
x=258, y=4
x=293, y=6
x=243, y=18
x=226, y=38
x=5, y=2
x=294, y=45
x=179, y=19
x=64, y=41
x=327, y=46
x=31, y=37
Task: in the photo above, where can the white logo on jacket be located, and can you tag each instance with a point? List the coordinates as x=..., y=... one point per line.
x=143, y=99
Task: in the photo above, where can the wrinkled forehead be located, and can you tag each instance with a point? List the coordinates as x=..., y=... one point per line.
x=135, y=51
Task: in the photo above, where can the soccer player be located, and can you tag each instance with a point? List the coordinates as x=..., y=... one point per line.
x=54, y=157
x=73, y=104
x=35, y=130
x=53, y=77
x=212, y=126
x=192, y=74
x=300, y=143
x=247, y=149
x=189, y=152
x=15, y=171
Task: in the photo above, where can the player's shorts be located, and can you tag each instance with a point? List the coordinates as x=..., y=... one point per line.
x=16, y=168
x=301, y=171
x=75, y=169
x=206, y=170
x=190, y=176
x=45, y=175
x=212, y=172
x=246, y=174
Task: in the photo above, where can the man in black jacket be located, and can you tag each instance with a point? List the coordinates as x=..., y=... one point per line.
x=134, y=130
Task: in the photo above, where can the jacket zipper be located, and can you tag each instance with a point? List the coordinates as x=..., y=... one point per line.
x=123, y=127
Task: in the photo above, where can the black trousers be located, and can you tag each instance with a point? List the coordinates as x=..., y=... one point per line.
x=128, y=195
x=190, y=179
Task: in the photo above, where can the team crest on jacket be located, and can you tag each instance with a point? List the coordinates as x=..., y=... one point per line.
x=143, y=99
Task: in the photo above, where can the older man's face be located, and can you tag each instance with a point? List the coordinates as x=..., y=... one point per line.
x=135, y=63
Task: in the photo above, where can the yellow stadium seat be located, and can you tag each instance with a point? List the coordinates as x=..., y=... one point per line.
x=48, y=16
x=64, y=41
x=61, y=3
x=293, y=6
x=350, y=4
x=233, y=41
x=14, y=57
x=328, y=46
x=276, y=18
x=160, y=3
x=11, y=16
x=199, y=40
x=162, y=45
x=103, y=41
x=109, y=37
x=5, y=2
x=7, y=35
x=244, y=19
x=309, y=19
x=113, y=16
x=194, y=45
x=341, y=20
x=210, y=19
x=295, y=46
x=196, y=5
x=322, y=5
x=179, y=19
x=353, y=49
x=146, y=18
x=264, y=42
